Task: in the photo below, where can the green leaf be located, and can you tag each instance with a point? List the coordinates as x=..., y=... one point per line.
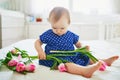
x=48, y=57
x=94, y=59
x=24, y=72
x=54, y=65
x=1, y=62
x=15, y=55
x=7, y=59
x=13, y=68
x=9, y=54
x=82, y=50
x=28, y=61
x=23, y=53
x=64, y=61
x=62, y=54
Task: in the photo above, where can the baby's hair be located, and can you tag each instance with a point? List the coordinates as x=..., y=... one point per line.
x=57, y=12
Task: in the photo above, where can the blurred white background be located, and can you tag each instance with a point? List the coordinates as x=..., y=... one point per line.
x=90, y=19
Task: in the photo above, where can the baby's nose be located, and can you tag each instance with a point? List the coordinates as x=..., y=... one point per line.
x=58, y=31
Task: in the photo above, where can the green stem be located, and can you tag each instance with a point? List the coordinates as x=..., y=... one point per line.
x=48, y=57
x=33, y=57
x=69, y=53
x=62, y=54
x=93, y=57
x=62, y=51
x=80, y=50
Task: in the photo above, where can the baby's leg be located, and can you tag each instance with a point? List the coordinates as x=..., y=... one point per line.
x=86, y=71
x=110, y=60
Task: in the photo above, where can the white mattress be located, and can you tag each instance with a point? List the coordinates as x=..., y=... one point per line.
x=101, y=49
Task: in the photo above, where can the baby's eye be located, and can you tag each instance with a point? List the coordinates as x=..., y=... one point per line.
x=54, y=28
x=62, y=28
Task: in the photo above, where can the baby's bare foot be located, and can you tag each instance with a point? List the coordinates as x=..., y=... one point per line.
x=110, y=60
x=89, y=70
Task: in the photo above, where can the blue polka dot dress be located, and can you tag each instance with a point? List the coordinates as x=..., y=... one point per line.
x=64, y=42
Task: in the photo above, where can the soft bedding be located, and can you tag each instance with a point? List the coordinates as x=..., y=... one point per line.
x=101, y=49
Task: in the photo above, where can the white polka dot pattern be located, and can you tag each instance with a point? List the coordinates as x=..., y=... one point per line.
x=63, y=42
x=56, y=42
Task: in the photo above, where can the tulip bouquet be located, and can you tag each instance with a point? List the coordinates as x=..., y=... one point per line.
x=19, y=60
x=60, y=63
x=83, y=51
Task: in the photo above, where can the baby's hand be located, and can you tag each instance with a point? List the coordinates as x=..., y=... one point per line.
x=87, y=47
x=42, y=56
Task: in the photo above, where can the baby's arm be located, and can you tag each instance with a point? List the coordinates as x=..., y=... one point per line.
x=78, y=45
x=41, y=53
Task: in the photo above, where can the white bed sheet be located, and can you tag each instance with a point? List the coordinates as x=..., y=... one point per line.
x=101, y=49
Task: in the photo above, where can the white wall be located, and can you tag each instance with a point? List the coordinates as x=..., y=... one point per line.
x=85, y=31
x=12, y=27
x=88, y=27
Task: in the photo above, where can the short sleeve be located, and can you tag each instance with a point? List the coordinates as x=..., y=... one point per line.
x=76, y=38
x=44, y=37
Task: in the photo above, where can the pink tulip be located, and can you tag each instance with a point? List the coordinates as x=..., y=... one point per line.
x=12, y=63
x=103, y=67
x=30, y=67
x=62, y=68
x=20, y=67
x=13, y=51
x=19, y=57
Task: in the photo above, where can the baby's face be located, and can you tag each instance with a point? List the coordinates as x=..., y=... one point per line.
x=60, y=27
